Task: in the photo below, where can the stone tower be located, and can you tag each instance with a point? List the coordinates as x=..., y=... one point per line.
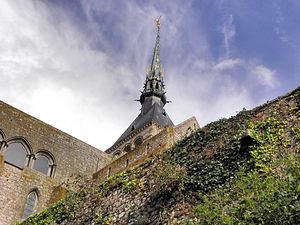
x=153, y=117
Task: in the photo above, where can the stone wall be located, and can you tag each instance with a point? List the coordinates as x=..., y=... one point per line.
x=151, y=147
x=71, y=157
x=14, y=188
x=186, y=128
x=146, y=132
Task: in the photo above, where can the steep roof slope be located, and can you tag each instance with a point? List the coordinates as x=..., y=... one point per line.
x=237, y=170
x=155, y=114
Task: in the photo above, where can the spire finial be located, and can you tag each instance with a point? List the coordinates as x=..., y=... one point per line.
x=158, y=22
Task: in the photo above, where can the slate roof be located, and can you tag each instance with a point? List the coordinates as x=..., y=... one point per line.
x=155, y=114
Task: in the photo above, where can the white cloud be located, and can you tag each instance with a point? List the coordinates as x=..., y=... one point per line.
x=206, y=93
x=73, y=79
x=83, y=78
x=228, y=64
x=51, y=72
x=265, y=75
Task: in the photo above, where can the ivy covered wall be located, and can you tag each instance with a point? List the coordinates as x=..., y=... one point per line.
x=241, y=170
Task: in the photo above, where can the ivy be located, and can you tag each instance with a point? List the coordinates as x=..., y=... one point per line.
x=267, y=194
x=254, y=198
x=60, y=211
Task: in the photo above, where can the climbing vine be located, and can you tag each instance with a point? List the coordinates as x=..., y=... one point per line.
x=268, y=194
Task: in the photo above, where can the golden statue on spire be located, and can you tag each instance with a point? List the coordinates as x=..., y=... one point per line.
x=158, y=22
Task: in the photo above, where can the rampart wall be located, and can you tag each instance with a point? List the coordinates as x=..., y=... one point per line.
x=151, y=147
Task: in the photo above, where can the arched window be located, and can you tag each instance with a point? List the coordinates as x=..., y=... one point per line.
x=117, y=153
x=44, y=163
x=138, y=141
x=127, y=147
x=109, y=172
x=30, y=204
x=16, y=153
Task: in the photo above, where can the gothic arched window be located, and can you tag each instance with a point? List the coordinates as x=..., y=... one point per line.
x=16, y=153
x=30, y=204
x=44, y=163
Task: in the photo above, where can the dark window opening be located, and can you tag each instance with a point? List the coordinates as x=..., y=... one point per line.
x=109, y=172
x=127, y=148
x=127, y=162
x=246, y=141
x=117, y=153
x=138, y=141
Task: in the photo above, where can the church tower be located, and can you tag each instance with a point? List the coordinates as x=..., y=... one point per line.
x=153, y=117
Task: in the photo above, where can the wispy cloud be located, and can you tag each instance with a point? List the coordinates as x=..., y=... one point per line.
x=228, y=64
x=82, y=73
x=278, y=24
x=266, y=76
x=228, y=31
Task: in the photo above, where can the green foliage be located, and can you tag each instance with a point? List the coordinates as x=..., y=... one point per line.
x=270, y=136
x=268, y=194
x=255, y=198
x=62, y=210
x=212, y=155
x=103, y=220
x=126, y=180
x=166, y=175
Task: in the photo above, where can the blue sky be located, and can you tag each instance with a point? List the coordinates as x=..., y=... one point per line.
x=78, y=65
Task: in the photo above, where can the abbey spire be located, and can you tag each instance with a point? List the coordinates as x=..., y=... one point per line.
x=152, y=99
x=154, y=84
x=155, y=67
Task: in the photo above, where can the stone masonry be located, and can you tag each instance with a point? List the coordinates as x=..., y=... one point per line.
x=72, y=157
